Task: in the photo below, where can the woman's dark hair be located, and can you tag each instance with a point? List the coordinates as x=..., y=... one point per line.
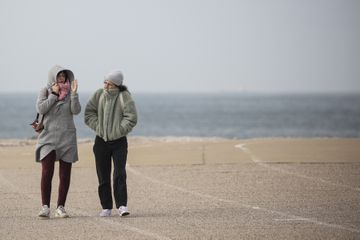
x=65, y=73
x=123, y=88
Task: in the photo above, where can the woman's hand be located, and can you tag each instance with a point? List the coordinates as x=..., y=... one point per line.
x=55, y=88
x=74, y=86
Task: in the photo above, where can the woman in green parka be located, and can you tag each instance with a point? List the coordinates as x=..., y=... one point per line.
x=111, y=113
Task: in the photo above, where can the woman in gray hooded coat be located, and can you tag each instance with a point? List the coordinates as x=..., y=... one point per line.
x=58, y=102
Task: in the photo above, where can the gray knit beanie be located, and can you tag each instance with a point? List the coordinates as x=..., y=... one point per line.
x=116, y=77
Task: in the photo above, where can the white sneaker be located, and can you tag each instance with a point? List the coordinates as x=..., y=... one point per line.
x=105, y=213
x=60, y=212
x=44, y=212
x=123, y=211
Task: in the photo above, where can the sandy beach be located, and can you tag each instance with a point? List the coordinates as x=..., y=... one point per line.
x=196, y=188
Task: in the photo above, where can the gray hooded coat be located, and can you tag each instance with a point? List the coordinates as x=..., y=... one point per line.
x=59, y=131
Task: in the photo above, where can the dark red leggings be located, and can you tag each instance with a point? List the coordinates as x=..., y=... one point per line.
x=48, y=165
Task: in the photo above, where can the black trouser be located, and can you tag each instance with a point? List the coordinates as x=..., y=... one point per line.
x=104, y=151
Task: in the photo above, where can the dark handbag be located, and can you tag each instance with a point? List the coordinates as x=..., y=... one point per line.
x=37, y=125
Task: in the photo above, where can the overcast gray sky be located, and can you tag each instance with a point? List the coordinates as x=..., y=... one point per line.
x=184, y=45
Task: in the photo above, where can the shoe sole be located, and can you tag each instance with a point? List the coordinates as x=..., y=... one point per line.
x=124, y=214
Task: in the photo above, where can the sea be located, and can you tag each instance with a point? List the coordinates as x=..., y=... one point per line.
x=224, y=115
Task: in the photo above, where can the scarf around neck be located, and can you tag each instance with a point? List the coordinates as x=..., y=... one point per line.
x=64, y=90
x=110, y=93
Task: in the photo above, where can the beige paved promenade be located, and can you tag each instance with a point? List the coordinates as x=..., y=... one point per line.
x=187, y=188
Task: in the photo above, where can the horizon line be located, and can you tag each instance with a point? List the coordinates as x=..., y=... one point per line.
x=212, y=92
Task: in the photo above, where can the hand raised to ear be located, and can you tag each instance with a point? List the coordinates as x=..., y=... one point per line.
x=74, y=86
